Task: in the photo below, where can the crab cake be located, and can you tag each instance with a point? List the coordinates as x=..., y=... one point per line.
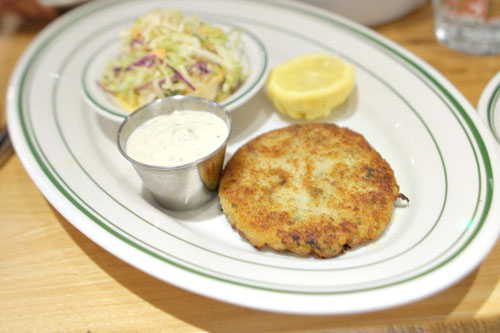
x=314, y=188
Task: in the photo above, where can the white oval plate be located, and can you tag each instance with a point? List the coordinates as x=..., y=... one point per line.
x=444, y=157
x=105, y=47
x=489, y=106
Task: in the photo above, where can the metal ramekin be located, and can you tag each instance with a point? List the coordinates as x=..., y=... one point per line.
x=186, y=186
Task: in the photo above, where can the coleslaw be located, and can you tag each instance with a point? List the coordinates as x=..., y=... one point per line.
x=165, y=53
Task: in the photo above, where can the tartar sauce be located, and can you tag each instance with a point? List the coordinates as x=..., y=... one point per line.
x=177, y=138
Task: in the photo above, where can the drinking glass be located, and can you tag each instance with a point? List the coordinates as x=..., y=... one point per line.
x=472, y=26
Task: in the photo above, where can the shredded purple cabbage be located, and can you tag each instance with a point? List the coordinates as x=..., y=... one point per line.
x=201, y=65
x=180, y=77
x=237, y=85
x=149, y=84
x=144, y=86
x=136, y=41
x=147, y=61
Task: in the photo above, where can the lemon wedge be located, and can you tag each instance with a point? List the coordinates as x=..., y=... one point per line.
x=310, y=86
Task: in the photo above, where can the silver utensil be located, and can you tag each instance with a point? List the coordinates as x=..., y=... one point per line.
x=5, y=146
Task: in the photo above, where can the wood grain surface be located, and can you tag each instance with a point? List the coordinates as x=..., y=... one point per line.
x=54, y=279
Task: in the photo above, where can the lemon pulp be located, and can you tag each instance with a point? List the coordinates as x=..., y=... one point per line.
x=310, y=86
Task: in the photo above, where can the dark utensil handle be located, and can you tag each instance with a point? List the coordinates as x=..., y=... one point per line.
x=5, y=146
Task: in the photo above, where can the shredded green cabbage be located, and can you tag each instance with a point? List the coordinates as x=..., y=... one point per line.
x=165, y=54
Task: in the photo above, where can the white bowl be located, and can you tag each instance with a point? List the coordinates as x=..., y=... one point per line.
x=102, y=51
x=369, y=12
x=489, y=106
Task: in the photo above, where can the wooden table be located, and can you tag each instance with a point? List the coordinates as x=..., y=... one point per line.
x=54, y=279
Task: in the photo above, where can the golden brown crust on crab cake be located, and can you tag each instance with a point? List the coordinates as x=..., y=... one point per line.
x=310, y=189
